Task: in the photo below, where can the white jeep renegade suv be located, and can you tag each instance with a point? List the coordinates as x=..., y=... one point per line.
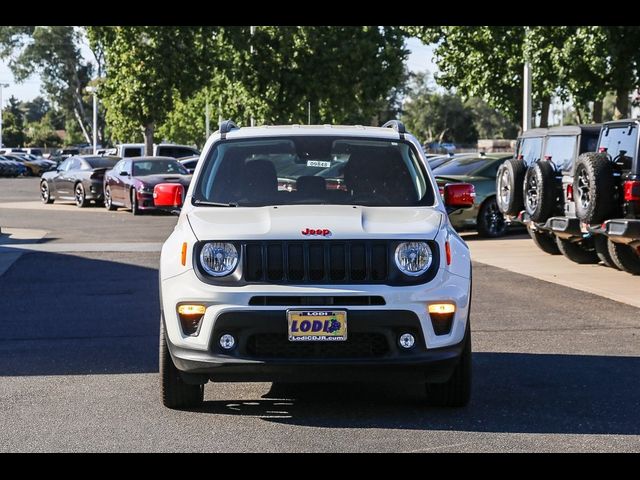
x=310, y=253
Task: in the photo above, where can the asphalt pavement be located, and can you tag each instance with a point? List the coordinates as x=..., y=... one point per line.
x=555, y=368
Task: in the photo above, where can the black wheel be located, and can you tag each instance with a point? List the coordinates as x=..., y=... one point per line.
x=509, y=181
x=601, y=244
x=594, y=188
x=582, y=252
x=490, y=220
x=108, y=203
x=625, y=257
x=45, y=193
x=544, y=241
x=174, y=391
x=455, y=392
x=135, y=207
x=79, y=195
x=538, y=193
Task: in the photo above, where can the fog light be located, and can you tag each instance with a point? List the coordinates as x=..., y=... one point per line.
x=190, y=318
x=407, y=340
x=441, y=317
x=227, y=341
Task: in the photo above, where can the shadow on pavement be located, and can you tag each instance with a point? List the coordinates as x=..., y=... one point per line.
x=512, y=392
x=66, y=314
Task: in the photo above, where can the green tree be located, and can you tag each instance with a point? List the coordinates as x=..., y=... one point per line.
x=147, y=68
x=489, y=122
x=53, y=53
x=433, y=116
x=43, y=133
x=13, y=124
x=35, y=109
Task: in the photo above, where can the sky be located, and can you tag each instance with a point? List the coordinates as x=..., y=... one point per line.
x=420, y=59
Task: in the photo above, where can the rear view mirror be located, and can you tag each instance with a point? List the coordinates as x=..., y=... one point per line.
x=459, y=195
x=168, y=196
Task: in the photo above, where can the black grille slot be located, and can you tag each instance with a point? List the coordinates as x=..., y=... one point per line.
x=295, y=269
x=275, y=262
x=316, y=262
x=338, y=266
x=352, y=300
x=358, y=262
x=254, y=271
x=357, y=345
x=379, y=259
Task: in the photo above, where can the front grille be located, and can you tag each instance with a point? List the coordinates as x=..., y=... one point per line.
x=357, y=345
x=342, y=301
x=317, y=262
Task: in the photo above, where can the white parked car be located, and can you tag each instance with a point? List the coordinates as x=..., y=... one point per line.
x=127, y=150
x=278, y=270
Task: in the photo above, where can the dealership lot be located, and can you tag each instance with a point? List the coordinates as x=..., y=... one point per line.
x=555, y=368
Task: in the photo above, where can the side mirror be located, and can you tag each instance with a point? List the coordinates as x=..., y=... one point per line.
x=168, y=196
x=459, y=195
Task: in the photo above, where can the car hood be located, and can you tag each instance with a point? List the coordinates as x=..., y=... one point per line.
x=441, y=180
x=152, y=180
x=286, y=222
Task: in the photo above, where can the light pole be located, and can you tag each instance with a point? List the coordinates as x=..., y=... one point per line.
x=94, y=92
x=2, y=85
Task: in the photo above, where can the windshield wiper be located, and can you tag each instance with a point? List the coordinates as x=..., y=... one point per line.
x=214, y=204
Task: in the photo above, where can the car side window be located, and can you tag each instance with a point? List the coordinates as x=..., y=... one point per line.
x=530, y=150
x=64, y=166
x=117, y=168
x=74, y=164
x=560, y=150
x=620, y=143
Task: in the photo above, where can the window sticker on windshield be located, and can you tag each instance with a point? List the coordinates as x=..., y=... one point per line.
x=318, y=163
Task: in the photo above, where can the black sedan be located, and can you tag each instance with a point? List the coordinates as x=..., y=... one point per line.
x=78, y=178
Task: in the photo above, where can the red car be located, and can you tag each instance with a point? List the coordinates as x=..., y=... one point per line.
x=130, y=183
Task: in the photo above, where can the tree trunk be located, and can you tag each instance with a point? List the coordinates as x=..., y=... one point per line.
x=147, y=131
x=82, y=126
x=544, y=114
x=622, y=104
x=597, y=111
x=578, y=115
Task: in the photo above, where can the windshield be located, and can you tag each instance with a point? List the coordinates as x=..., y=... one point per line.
x=102, y=162
x=313, y=170
x=157, y=167
x=462, y=166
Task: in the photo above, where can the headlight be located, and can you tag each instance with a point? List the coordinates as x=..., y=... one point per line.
x=413, y=258
x=219, y=259
x=145, y=189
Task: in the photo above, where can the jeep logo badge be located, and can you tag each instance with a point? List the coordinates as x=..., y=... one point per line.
x=318, y=231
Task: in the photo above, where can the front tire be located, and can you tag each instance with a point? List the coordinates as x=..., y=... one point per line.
x=625, y=257
x=175, y=392
x=490, y=221
x=80, y=196
x=45, y=193
x=544, y=241
x=135, y=207
x=601, y=243
x=108, y=203
x=455, y=392
x=578, y=252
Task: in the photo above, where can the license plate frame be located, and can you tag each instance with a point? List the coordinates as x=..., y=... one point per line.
x=325, y=331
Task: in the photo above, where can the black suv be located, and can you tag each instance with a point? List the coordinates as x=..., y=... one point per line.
x=606, y=193
x=530, y=185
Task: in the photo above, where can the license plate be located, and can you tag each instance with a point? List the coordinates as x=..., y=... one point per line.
x=317, y=325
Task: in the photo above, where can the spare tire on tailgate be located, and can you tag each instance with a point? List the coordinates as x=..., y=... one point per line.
x=594, y=188
x=509, y=181
x=539, y=191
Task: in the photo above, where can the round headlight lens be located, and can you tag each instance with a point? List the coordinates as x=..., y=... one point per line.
x=413, y=258
x=219, y=259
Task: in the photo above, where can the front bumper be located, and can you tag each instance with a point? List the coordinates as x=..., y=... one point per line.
x=263, y=352
x=228, y=310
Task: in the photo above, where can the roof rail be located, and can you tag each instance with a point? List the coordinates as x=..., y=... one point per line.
x=226, y=127
x=397, y=125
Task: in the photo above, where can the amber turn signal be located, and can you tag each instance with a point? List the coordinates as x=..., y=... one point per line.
x=191, y=309
x=184, y=254
x=442, y=308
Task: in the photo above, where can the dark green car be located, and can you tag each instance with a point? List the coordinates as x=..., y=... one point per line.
x=480, y=170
